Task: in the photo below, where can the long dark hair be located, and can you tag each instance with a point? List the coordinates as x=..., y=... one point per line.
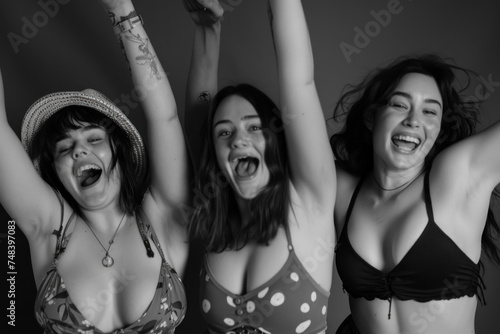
x=133, y=187
x=353, y=147
x=214, y=202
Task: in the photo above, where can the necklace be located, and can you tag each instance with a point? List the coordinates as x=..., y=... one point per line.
x=398, y=187
x=107, y=260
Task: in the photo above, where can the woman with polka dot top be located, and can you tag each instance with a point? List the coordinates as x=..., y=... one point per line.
x=265, y=186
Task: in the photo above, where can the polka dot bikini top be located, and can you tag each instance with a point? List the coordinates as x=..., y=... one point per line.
x=290, y=302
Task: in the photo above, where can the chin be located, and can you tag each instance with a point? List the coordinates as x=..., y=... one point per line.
x=246, y=194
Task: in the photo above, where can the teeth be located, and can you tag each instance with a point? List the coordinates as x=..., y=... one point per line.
x=404, y=148
x=408, y=139
x=79, y=171
x=235, y=160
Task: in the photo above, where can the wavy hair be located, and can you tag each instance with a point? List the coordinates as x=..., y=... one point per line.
x=216, y=219
x=353, y=146
x=69, y=118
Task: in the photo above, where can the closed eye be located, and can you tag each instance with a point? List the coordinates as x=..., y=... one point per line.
x=398, y=105
x=63, y=149
x=94, y=140
x=430, y=111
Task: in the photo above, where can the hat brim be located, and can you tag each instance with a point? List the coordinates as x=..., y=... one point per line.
x=45, y=107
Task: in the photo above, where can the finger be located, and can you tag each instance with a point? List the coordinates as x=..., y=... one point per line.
x=192, y=5
x=214, y=7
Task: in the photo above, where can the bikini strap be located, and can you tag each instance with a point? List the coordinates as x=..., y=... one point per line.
x=62, y=239
x=57, y=233
x=427, y=196
x=351, y=203
x=146, y=229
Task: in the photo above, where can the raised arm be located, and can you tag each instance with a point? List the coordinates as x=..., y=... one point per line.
x=203, y=70
x=167, y=149
x=477, y=158
x=23, y=193
x=311, y=159
x=486, y=156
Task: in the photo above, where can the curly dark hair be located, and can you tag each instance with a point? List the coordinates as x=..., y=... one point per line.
x=132, y=188
x=353, y=146
x=214, y=202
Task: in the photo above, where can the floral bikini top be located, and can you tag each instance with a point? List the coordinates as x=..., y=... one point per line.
x=56, y=312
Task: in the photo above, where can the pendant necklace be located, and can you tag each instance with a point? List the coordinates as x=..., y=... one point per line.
x=107, y=260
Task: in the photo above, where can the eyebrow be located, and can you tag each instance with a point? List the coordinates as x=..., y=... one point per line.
x=408, y=96
x=244, y=118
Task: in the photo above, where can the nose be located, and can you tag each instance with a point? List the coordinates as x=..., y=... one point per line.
x=80, y=151
x=240, y=139
x=412, y=120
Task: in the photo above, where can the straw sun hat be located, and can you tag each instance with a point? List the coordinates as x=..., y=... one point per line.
x=45, y=107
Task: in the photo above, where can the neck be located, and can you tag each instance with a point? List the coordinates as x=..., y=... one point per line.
x=104, y=220
x=395, y=181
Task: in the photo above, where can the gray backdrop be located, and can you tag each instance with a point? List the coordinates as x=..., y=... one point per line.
x=56, y=45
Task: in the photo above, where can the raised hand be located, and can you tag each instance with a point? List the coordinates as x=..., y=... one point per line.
x=117, y=9
x=203, y=12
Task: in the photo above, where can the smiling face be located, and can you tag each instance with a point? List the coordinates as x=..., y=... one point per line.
x=83, y=163
x=239, y=145
x=406, y=129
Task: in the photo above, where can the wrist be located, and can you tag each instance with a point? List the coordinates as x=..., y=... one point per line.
x=128, y=23
x=214, y=28
x=118, y=14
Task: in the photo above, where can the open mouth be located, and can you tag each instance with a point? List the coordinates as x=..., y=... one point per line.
x=246, y=166
x=87, y=175
x=406, y=143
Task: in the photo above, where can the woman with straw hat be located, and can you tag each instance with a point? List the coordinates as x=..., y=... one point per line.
x=103, y=223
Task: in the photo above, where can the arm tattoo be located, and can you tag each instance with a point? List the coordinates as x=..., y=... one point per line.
x=147, y=57
x=204, y=97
